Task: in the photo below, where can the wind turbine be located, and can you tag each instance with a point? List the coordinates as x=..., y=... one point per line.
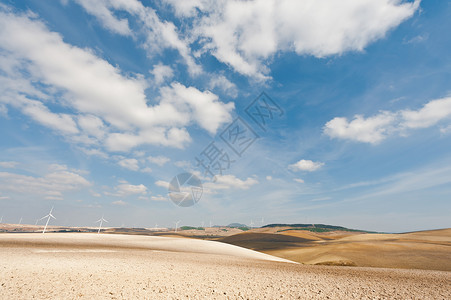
x=1, y=219
x=210, y=224
x=101, y=220
x=252, y=223
x=263, y=221
x=203, y=224
x=48, y=219
x=176, y=225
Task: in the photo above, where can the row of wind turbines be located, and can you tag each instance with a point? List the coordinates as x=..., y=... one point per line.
x=50, y=215
x=101, y=220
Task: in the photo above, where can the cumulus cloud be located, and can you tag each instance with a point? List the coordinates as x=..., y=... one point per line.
x=243, y=34
x=157, y=34
x=124, y=189
x=162, y=183
x=225, y=85
x=430, y=114
x=298, y=180
x=159, y=198
x=370, y=130
x=50, y=186
x=204, y=107
x=158, y=160
x=306, y=165
x=100, y=10
x=109, y=109
x=225, y=182
x=377, y=128
x=119, y=202
x=8, y=164
x=129, y=163
x=161, y=72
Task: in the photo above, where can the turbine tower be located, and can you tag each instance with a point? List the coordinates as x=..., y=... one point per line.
x=20, y=221
x=176, y=225
x=1, y=219
x=252, y=224
x=101, y=220
x=48, y=219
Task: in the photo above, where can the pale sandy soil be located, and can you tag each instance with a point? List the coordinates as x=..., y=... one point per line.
x=91, y=266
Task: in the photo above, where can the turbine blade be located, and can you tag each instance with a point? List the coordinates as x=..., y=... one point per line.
x=52, y=216
x=43, y=217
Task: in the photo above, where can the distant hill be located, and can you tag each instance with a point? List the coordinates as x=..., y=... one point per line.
x=236, y=225
x=314, y=227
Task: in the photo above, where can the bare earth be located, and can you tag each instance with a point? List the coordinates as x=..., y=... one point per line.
x=427, y=250
x=100, y=266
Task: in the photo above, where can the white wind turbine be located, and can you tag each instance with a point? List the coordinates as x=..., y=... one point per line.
x=1, y=219
x=176, y=225
x=48, y=219
x=20, y=221
x=252, y=223
x=101, y=220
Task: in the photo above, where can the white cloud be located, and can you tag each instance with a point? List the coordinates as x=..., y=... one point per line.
x=119, y=202
x=243, y=34
x=445, y=130
x=41, y=114
x=100, y=10
x=129, y=163
x=159, y=198
x=39, y=66
x=183, y=164
x=298, y=180
x=225, y=182
x=92, y=125
x=221, y=82
x=430, y=114
x=146, y=170
x=376, y=128
x=50, y=186
x=269, y=178
x=162, y=183
x=8, y=164
x=94, y=152
x=158, y=160
x=3, y=110
x=371, y=130
x=161, y=72
x=124, y=189
x=306, y=165
x=204, y=107
x=157, y=34
x=418, y=39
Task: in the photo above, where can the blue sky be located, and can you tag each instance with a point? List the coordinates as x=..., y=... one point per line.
x=102, y=103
